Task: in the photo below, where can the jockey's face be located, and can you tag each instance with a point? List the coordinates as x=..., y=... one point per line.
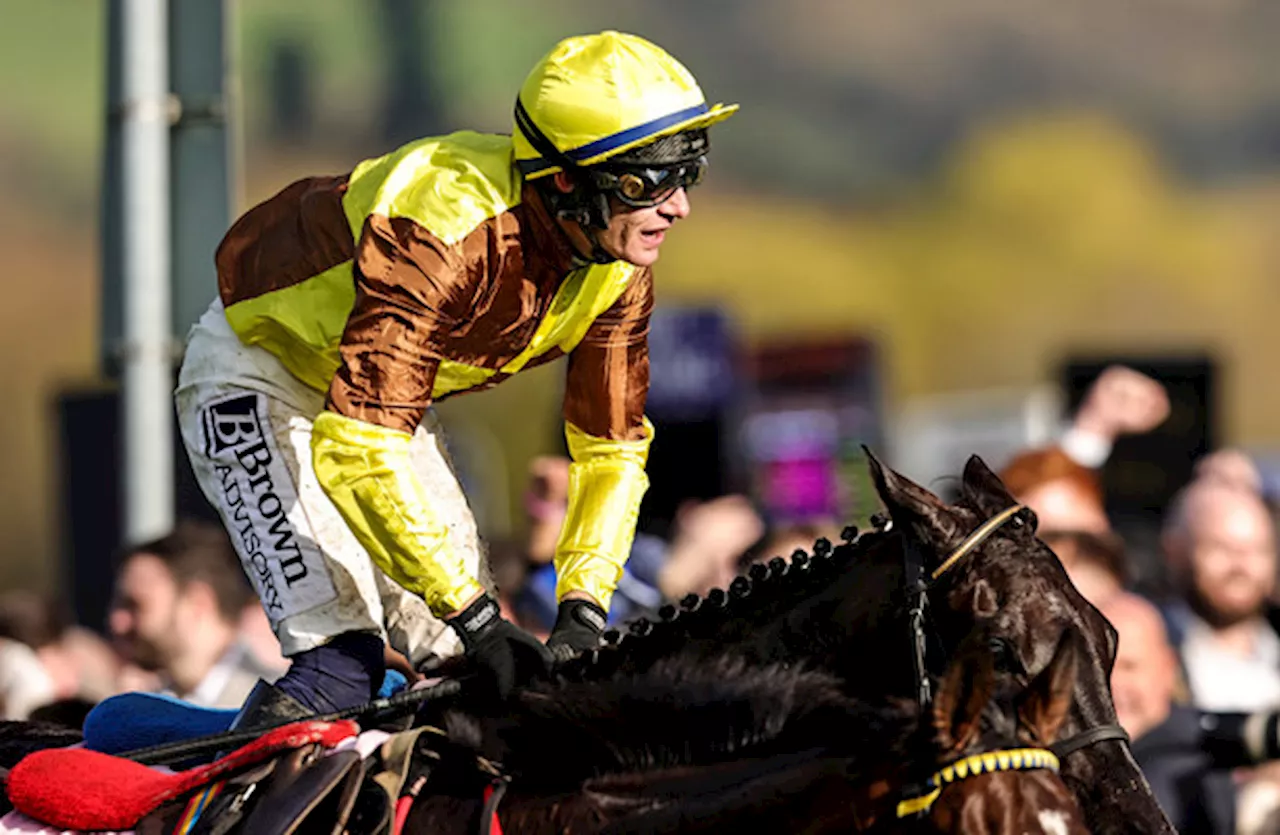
x=634, y=234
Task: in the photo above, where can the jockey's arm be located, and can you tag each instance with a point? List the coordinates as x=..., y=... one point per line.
x=409, y=292
x=608, y=437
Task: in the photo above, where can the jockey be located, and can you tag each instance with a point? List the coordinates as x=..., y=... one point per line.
x=349, y=304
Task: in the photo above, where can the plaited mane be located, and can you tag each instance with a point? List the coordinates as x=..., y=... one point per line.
x=764, y=593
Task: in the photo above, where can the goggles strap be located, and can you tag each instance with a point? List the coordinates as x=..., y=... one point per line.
x=586, y=206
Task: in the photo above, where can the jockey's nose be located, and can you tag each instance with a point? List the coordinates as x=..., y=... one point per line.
x=677, y=205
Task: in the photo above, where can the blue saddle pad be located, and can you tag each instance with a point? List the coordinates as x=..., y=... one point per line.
x=129, y=721
x=139, y=720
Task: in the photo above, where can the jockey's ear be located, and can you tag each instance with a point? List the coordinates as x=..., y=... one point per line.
x=983, y=489
x=915, y=511
x=564, y=183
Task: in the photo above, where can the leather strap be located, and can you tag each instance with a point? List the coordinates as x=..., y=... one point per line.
x=1102, y=733
x=489, y=823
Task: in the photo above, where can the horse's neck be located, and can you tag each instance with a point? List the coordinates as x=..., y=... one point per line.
x=834, y=608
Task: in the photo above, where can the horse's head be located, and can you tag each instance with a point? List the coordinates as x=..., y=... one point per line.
x=845, y=610
x=1014, y=585
x=994, y=772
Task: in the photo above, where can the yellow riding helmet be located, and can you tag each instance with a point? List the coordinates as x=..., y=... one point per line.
x=596, y=96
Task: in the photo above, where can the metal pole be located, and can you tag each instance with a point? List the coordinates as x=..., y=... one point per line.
x=147, y=357
x=201, y=162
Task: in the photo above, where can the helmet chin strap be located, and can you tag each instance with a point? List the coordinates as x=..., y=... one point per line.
x=584, y=205
x=592, y=223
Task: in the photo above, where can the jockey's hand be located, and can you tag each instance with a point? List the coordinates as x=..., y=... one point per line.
x=578, y=627
x=505, y=655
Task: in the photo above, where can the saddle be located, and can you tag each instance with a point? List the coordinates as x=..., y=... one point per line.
x=306, y=792
x=286, y=782
x=87, y=790
x=303, y=791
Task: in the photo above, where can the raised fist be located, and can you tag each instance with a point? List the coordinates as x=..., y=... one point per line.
x=1122, y=402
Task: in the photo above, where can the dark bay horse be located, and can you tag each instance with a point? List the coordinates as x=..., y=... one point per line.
x=690, y=746
x=846, y=611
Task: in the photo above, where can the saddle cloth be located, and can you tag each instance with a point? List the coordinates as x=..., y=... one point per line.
x=80, y=789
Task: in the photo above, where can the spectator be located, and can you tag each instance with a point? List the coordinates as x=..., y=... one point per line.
x=710, y=538
x=785, y=540
x=534, y=600
x=637, y=593
x=1120, y=402
x=1065, y=495
x=1168, y=739
x=24, y=684
x=1060, y=483
x=1231, y=468
x=176, y=611
x=1219, y=543
x=1095, y=562
x=78, y=662
x=546, y=503
x=1067, y=500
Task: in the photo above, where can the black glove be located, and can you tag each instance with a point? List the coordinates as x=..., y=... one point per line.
x=578, y=627
x=505, y=655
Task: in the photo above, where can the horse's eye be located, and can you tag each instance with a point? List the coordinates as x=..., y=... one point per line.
x=1004, y=655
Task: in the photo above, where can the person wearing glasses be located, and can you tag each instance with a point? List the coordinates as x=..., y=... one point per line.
x=349, y=304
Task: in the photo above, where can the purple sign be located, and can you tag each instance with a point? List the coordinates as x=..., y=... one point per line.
x=691, y=374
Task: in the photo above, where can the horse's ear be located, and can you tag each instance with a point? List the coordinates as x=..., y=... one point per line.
x=965, y=692
x=914, y=510
x=1043, y=707
x=983, y=488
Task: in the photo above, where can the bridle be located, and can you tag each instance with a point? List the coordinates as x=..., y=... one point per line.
x=922, y=798
x=918, y=587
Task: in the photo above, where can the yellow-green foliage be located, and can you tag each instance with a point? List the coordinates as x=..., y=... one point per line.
x=1041, y=237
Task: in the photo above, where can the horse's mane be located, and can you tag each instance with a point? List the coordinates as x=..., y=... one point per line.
x=763, y=594
x=686, y=711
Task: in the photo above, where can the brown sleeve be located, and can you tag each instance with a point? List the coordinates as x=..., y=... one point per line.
x=609, y=370
x=411, y=289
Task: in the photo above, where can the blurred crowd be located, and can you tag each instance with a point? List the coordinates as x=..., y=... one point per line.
x=1198, y=622
x=1197, y=619
x=183, y=620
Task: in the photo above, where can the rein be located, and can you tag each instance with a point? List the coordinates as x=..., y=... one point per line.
x=919, y=590
x=1009, y=759
x=919, y=586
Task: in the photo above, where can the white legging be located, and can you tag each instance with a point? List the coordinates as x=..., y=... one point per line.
x=246, y=424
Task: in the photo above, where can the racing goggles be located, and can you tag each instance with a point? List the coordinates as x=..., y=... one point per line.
x=642, y=186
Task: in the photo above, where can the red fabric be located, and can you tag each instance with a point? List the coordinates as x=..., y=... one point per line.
x=495, y=828
x=81, y=789
x=403, y=806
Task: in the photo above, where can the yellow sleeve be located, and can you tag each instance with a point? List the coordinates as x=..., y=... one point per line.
x=365, y=471
x=606, y=483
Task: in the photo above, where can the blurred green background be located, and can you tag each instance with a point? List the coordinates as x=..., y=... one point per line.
x=985, y=187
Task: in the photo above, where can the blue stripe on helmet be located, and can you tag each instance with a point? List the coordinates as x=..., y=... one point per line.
x=617, y=140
